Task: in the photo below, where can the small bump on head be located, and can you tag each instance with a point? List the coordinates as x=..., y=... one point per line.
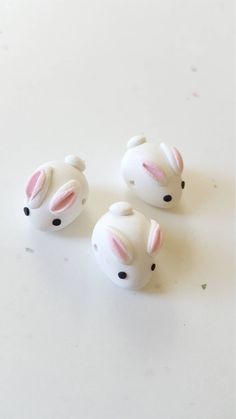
x=121, y=208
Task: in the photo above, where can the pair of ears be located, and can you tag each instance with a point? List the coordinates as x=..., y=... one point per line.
x=122, y=248
x=37, y=188
x=172, y=156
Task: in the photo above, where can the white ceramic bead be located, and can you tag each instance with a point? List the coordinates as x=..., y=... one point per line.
x=126, y=244
x=56, y=194
x=153, y=172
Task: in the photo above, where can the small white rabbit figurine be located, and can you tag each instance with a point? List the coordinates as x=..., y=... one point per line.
x=126, y=243
x=153, y=172
x=56, y=194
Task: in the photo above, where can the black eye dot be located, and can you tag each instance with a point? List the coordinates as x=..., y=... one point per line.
x=56, y=222
x=167, y=198
x=183, y=184
x=153, y=267
x=122, y=275
x=26, y=211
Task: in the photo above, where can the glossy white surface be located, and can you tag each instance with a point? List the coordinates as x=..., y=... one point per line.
x=83, y=77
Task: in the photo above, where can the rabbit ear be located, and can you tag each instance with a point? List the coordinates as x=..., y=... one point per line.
x=37, y=186
x=155, y=239
x=65, y=197
x=174, y=157
x=120, y=246
x=155, y=172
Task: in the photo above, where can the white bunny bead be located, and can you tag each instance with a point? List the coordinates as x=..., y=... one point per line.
x=153, y=172
x=56, y=194
x=126, y=243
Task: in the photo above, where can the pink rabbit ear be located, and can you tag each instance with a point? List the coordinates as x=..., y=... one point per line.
x=155, y=172
x=63, y=201
x=37, y=186
x=155, y=239
x=65, y=197
x=174, y=157
x=120, y=246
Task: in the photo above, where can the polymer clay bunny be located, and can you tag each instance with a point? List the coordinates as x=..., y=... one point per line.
x=126, y=244
x=56, y=194
x=153, y=172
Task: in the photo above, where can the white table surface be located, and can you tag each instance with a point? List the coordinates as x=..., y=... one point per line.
x=83, y=77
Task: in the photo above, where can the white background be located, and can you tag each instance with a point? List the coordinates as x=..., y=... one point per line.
x=83, y=77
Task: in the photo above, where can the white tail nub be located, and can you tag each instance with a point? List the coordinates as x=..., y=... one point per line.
x=121, y=208
x=135, y=141
x=76, y=162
